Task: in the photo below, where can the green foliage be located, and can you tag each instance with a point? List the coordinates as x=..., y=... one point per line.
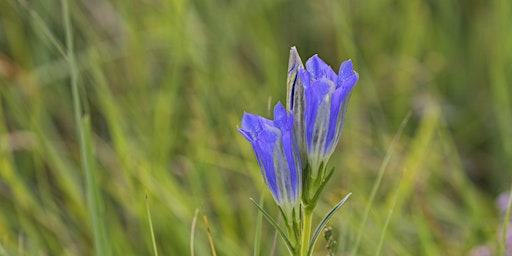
x=163, y=85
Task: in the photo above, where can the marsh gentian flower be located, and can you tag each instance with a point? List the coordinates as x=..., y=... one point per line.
x=277, y=154
x=323, y=106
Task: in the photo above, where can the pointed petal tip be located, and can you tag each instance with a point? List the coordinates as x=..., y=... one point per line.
x=294, y=62
x=346, y=70
x=279, y=110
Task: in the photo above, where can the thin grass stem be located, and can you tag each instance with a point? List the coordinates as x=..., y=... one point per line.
x=376, y=186
x=153, y=240
x=193, y=232
x=85, y=141
x=388, y=218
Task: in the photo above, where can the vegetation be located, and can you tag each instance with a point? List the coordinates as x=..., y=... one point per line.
x=114, y=110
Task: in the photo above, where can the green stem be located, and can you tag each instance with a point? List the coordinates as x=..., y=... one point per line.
x=306, y=231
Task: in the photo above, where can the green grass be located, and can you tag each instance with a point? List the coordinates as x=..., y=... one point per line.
x=105, y=102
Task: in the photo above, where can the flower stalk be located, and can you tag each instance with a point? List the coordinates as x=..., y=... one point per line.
x=306, y=231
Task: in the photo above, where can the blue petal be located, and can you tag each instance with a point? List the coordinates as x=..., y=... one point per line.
x=315, y=97
x=336, y=100
x=349, y=83
x=318, y=69
x=290, y=155
x=305, y=77
x=346, y=70
x=252, y=126
x=280, y=116
x=264, y=149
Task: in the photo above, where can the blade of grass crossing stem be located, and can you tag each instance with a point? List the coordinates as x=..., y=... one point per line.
x=94, y=200
x=275, y=225
x=503, y=242
x=85, y=142
x=274, y=244
x=388, y=218
x=153, y=240
x=324, y=222
x=376, y=186
x=193, y=232
x=210, y=238
x=257, y=235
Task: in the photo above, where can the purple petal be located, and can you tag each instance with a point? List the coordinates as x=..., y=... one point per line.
x=346, y=70
x=305, y=77
x=318, y=69
x=289, y=152
x=280, y=116
x=264, y=150
x=315, y=97
x=251, y=126
x=336, y=100
x=349, y=83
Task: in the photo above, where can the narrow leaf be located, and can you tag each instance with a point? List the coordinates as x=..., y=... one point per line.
x=322, y=186
x=324, y=222
x=274, y=224
x=257, y=236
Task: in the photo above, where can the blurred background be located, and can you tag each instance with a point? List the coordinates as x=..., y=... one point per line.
x=163, y=84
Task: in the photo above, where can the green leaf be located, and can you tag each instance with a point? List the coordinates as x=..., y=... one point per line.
x=321, y=188
x=276, y=226
x=257, y=236
x=324, y=222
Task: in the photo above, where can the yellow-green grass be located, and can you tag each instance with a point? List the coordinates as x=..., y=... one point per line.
x=162, y=85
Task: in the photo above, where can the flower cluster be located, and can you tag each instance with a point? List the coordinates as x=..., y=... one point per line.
x=293, y=149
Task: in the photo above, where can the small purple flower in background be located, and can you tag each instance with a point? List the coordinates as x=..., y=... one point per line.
x=277, y=154
x=502, y=202
x=486, y=250
x=482, y=250
x=320, y=96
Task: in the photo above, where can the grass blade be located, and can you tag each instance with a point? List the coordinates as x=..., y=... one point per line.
x=388, y=218
x=153, y=240
x=378, y=181
x=210, y=238
x=85, y=142
x=193, y=232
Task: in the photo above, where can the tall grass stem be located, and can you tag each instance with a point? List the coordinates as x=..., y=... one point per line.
x=378, y=182
x=85, y=145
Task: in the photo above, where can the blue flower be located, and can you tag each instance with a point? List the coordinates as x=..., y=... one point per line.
x=277, y=154
x=323, y=106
